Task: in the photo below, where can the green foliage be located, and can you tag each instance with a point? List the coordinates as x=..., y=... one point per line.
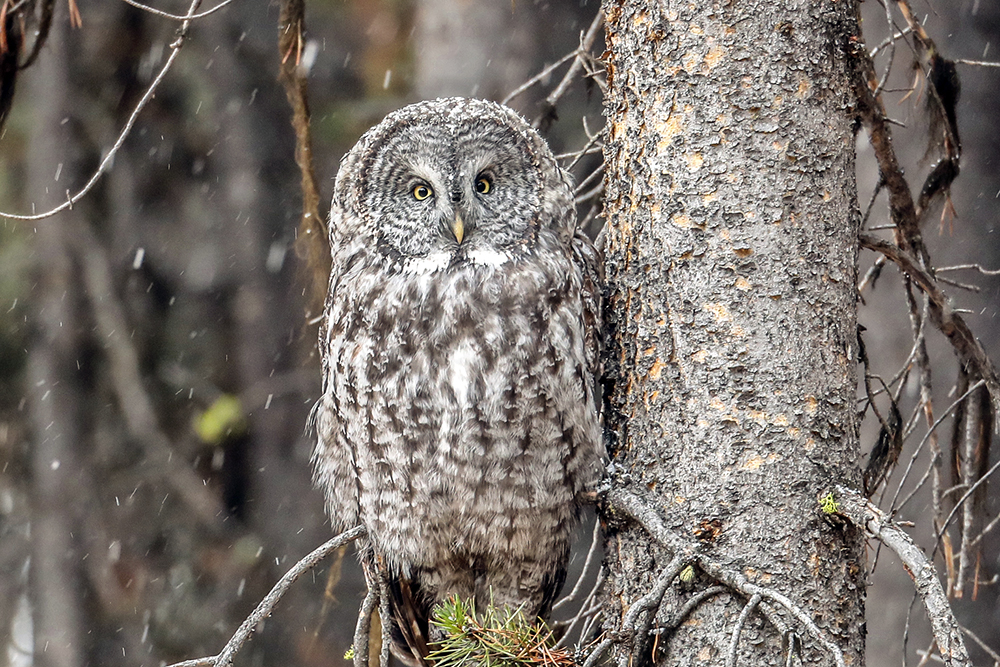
x=223, y=418
x=496, y=638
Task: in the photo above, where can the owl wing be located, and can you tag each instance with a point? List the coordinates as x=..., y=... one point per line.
x=334, y=462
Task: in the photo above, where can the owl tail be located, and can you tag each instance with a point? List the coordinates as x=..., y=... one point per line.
x=408, y=622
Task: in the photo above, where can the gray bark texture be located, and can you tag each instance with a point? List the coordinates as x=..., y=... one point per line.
x=731, y=251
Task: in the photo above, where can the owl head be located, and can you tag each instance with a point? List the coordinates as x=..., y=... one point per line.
x=452, y=177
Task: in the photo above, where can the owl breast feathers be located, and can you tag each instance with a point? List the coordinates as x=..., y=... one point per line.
x=459, y=418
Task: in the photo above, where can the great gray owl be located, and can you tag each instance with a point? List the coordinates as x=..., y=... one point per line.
x=459, y=416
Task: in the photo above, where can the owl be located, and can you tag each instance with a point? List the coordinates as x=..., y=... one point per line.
x=459, y=420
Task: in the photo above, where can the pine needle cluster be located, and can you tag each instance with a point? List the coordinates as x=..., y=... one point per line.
x=495, y=638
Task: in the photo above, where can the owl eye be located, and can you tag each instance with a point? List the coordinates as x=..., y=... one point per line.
x=484, y=185
x=422, y=192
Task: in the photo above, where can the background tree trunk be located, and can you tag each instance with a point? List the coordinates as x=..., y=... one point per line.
x=731, y=260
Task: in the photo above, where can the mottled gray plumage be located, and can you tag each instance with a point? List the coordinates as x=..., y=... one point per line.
x=459, y=418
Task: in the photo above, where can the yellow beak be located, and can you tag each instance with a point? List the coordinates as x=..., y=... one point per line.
x=458, y=227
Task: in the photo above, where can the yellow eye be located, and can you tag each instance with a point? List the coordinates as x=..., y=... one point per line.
x=422, y=192
x=483, y=185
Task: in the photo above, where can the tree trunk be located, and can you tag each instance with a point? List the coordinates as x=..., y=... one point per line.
x=731, y=261
x=55, y=399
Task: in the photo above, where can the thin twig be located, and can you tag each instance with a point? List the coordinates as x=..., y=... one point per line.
x=586, y=565
x=983, y=645
x=989, y=528
x=267, y=605
x=892, y=52
x=965, y=496
x=586, y=43
x=177, y=17
x=975, y=267
x=923, y=441
x=978, y=63
x=106, y=163
x=540, y=76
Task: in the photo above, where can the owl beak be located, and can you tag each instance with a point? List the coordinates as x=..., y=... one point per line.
x=458, y=227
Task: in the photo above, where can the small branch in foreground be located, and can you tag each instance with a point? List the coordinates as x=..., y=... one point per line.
x=267, y=605
x=869, y=518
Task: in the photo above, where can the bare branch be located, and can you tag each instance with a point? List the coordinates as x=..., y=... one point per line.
x=923, y=441
x=978, y=63
x=267, y=605
x=108, y=160
x=972, y=489
x=869, y=518
x=177, y=17
x=540, y=76
x=968, y=348
x=595, y=537
x=586, y=43
x=975, y=267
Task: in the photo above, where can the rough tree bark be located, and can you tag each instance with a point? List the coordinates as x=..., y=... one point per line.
x=731, y=260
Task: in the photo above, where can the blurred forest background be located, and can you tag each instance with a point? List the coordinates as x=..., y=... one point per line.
x=157, y=359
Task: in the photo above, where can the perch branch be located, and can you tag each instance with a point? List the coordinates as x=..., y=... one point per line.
x=267, y=605
x=869, y=518
x=363, y=629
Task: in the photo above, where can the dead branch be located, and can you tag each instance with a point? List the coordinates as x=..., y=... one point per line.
x=312, y=239
x=944, y=317
x=869, y=518
x=902, y=210
x=267, y=605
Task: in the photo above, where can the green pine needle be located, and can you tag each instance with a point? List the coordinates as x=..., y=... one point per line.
x=496, y=638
